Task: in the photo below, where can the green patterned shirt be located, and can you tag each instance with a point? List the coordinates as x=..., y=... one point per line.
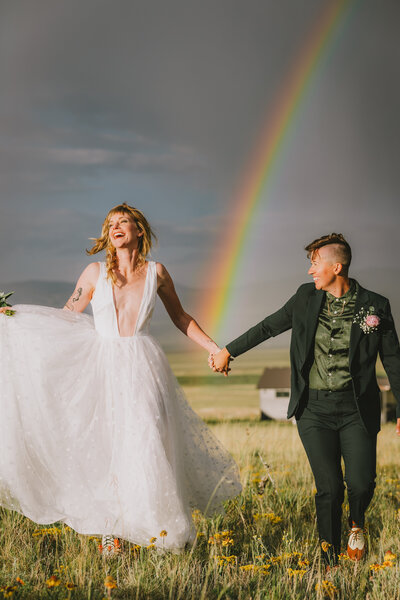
x=330, y=370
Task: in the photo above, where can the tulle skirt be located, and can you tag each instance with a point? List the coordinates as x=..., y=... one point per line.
x=96, y=432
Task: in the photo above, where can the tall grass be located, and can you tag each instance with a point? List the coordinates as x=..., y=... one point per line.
x=269, y=530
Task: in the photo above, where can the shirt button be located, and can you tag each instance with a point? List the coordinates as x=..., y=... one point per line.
x=329, y=374
x=330, y=355
x=332, y=339
x=334, y=321
x=335, y=312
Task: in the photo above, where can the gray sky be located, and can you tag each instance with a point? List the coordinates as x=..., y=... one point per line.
x=159, y=103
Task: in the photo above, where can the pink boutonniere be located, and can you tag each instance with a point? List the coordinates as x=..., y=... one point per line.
x=367, y=320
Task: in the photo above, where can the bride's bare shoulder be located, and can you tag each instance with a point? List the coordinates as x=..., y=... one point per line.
x=92, y=268
x=90, y=274
x=164, y=279
x=162, y=271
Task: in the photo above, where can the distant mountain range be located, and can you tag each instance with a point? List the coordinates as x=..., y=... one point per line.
x=258, y=300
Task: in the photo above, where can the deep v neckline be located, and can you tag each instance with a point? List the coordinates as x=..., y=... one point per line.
x=140, y=305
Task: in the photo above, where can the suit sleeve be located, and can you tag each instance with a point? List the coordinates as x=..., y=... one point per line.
x=271, y=326
x=389, y=351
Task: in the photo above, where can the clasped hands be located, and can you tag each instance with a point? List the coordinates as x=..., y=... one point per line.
x=219, y=361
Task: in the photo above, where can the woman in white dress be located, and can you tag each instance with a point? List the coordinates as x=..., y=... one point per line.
x=95, y=431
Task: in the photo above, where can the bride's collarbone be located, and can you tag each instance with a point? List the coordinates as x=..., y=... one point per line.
x=129, y=283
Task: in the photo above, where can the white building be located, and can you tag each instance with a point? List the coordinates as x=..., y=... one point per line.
x=274, y=386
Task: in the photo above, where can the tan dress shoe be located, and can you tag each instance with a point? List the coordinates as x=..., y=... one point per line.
x=356, y=544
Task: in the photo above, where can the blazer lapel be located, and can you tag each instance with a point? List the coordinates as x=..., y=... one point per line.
x=362, y=300
x=313, y=309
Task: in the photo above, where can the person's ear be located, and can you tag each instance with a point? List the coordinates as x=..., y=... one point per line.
x=337, y=269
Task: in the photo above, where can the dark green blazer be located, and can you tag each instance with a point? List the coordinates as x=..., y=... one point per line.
x=300, y=314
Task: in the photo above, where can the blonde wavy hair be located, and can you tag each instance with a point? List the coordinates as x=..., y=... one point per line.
x=104, y=243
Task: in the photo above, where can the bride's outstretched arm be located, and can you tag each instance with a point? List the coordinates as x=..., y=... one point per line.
x=183, y=321
x=84, y=289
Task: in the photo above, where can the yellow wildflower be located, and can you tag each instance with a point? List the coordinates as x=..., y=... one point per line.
x=163, y=533
x=227, y=542
x=376, y=567
x=53, y=581
x=327, y=588
x=150, y=546
x=247, y=567
x=303, y=563
x=271, y=517
x=224, y=560
x=19, y=581
x=222, y=537
x=285, y=556
x=70, y=586
x=344, y=556
x=263, y=569
x=296, y=573
x=325, y=546
x=152, y=540
x=110, y=582
x=387, y=563
x=389, y=556
x=275, y=559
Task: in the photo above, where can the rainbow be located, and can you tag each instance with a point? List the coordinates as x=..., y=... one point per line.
x=260, y=168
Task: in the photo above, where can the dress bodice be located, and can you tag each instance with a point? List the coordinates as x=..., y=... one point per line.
x=104, y=312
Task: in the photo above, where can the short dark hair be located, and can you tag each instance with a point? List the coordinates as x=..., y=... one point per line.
x=343, y=250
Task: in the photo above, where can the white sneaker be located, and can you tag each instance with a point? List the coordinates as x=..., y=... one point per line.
x=107, y=545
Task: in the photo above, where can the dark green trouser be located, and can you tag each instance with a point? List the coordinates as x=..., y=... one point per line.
x=330, y=427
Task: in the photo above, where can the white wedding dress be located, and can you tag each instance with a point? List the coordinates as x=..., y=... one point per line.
x=95, y=430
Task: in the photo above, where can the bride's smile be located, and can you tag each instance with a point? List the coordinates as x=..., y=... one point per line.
x=124, y=232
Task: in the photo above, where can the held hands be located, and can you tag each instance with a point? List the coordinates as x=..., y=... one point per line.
x=219, y=362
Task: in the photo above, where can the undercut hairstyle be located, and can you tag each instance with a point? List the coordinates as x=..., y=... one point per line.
x=103, y=242
x=341, y=249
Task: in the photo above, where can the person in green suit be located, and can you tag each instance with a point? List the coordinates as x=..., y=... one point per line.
x=338, y=330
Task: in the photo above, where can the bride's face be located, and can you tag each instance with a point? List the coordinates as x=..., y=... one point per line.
x=123, y=231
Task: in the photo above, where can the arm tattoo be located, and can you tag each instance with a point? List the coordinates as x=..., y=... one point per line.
x=77, y=295
x=74, y=298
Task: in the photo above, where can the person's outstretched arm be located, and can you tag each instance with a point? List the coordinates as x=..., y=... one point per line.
x=271, y=326
x=389, y=351
x=182, y=320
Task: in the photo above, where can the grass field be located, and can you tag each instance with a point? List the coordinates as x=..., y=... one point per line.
x=214, y=396
x=264, y=548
